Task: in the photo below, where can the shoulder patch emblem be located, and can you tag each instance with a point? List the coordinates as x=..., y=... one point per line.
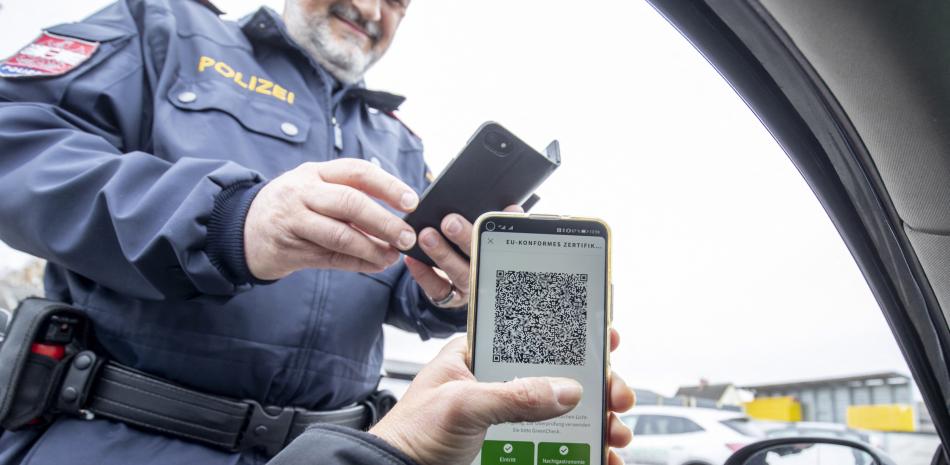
x=48, y=55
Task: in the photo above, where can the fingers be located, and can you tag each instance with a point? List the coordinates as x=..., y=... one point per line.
x=369, y=178
x=450, y=364
x=614, y=459
x=522, y=399
x=614, y=339
x=618, y=434
x=344, y=262
x=454, y=347
x=435, y=287
x=342, y=240
x=446, y=258
x=621, y=397
x=349, y=205
x=458, y=230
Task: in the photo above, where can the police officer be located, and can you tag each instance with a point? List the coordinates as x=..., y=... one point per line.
x=222, y=200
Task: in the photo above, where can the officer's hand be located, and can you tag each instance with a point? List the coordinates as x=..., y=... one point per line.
x=443, y=416
x=453, y=269
x=322, y=215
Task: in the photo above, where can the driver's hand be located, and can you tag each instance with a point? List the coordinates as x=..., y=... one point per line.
x=452, y=268
x=443, y=417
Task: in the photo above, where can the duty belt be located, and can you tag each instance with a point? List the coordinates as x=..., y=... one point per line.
x=38, y=382
x=91, y=389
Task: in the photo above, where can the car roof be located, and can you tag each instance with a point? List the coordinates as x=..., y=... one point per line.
x=690, y=412
x=820, y=425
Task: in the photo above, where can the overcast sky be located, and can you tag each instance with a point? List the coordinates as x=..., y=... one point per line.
x=725, y=265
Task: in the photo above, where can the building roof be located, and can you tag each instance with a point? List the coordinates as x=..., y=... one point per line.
x=707, y=391
x=647, y=396
x=889, y=377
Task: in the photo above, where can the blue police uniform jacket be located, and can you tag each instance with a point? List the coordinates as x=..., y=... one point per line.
x=132, y=175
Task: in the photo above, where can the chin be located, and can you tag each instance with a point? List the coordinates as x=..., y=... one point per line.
x=339, y=52
x=345, y=59
x=347, y=67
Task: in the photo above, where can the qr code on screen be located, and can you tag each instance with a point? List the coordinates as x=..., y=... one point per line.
x=540, y=318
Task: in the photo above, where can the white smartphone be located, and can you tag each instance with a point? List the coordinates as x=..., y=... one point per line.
x=540, y=306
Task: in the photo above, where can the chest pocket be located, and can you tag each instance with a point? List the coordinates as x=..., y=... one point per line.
x=274, y=119
x=393, y=152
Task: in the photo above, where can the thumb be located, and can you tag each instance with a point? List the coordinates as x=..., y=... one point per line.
x=524, y=399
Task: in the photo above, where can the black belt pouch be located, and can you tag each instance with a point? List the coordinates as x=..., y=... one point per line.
x=29, y=380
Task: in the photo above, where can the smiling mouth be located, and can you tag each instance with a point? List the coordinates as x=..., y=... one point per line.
x=353, y=26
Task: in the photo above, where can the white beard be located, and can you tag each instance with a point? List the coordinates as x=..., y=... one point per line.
x=343, y=57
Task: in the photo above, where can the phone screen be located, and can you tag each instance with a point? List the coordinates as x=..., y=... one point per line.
x=541, y=310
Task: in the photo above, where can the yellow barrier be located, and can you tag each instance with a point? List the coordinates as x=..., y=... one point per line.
x=897, y=417
x=774, y=408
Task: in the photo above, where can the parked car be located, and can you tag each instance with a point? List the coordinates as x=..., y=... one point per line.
x=776, y=429
x=686, y=436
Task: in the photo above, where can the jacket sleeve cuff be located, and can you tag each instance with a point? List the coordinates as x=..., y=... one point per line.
x=225, y=241
x=336, y=445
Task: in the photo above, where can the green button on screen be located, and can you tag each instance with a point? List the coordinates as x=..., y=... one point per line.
x=563, y=453
x=507, y=453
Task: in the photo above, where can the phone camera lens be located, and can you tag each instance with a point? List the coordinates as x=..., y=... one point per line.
x=499, y=144
x=490, y=226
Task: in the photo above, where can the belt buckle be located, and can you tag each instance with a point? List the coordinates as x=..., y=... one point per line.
x=267, y=428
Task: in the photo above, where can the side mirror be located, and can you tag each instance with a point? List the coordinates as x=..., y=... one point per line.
x=808, y=451
x=5, y=318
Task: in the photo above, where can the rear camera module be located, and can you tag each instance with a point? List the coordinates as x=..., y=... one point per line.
x=498, y=143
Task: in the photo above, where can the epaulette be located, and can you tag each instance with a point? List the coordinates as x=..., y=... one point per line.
x=385, y=102
x=211, y=6
x=392, y=114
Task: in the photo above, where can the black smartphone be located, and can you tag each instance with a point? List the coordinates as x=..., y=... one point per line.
x=494, y=170
x=541, y=306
